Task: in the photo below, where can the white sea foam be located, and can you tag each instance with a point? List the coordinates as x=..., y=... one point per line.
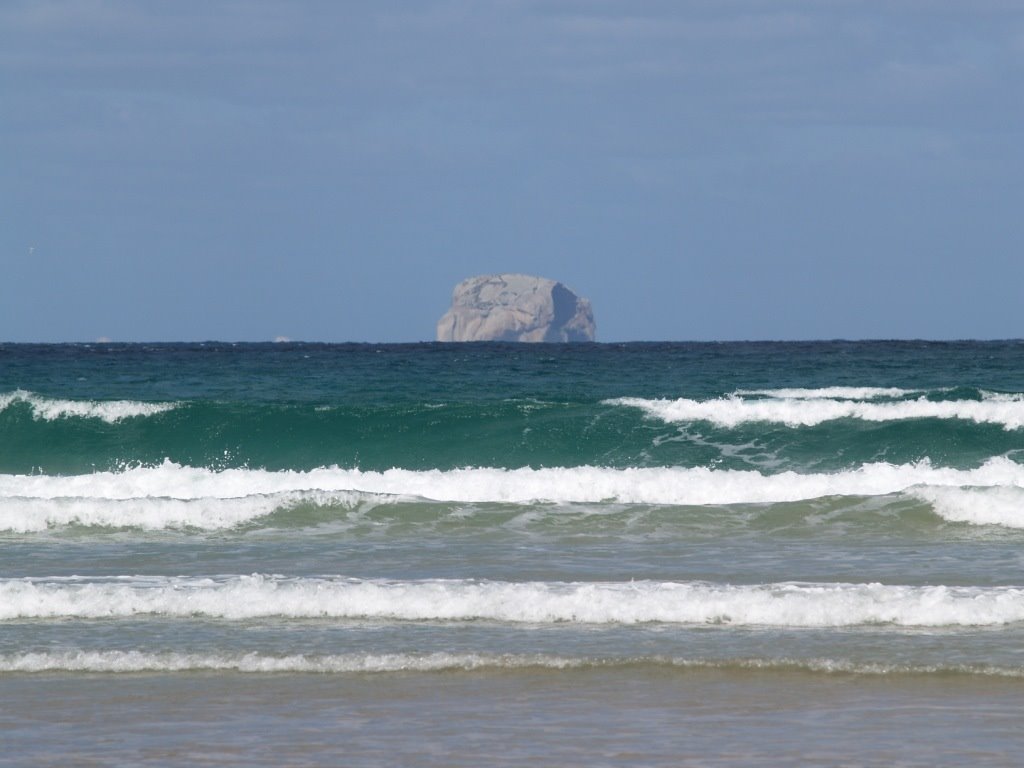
x=980, y=506
x=259, y=596
x=140, y=661
x=830, y=393
x=171, y=495
x=733, y=410
x=133, y=661
x=110, y=411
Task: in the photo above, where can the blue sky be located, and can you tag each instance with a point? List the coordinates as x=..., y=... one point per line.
x=703, y=169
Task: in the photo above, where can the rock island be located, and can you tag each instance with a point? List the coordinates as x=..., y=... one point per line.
x=512, y=307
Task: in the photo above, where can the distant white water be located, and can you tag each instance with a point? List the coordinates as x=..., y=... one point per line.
x=809, y=407
x=827, y=393
x=110, y=411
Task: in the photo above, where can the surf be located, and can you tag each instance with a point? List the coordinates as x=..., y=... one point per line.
x=631, y=485
x=810, y=407
x=785, y=604
x=172, y=496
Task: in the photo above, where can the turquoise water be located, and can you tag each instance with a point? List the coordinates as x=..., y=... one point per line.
x=531, y=539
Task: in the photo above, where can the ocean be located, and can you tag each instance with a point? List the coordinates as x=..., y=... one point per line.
x=707, y=554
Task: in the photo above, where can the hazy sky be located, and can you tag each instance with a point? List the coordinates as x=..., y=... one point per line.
x=702, y=169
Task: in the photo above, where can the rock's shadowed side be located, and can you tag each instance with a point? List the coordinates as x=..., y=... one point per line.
x=515, y=308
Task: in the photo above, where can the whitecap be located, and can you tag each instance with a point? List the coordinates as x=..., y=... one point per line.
x=830, y=393
x=110, y=411
x=732, y=411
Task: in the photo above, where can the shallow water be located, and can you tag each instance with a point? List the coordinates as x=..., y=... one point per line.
x=596, y=717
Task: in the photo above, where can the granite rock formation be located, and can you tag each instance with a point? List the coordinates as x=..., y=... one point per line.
x=515, y=308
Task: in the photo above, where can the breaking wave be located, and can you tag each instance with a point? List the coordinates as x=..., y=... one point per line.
x=785, y=604
x=175, y=496
x=809, y=407
x=978, y=506
x=110, y=411
x=829, y=393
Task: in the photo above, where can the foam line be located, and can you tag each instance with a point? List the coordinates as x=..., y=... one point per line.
x=259, y=596
x=140, y=661
x=127, y=662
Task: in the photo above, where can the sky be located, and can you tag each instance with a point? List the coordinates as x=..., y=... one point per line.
x=328, y=170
